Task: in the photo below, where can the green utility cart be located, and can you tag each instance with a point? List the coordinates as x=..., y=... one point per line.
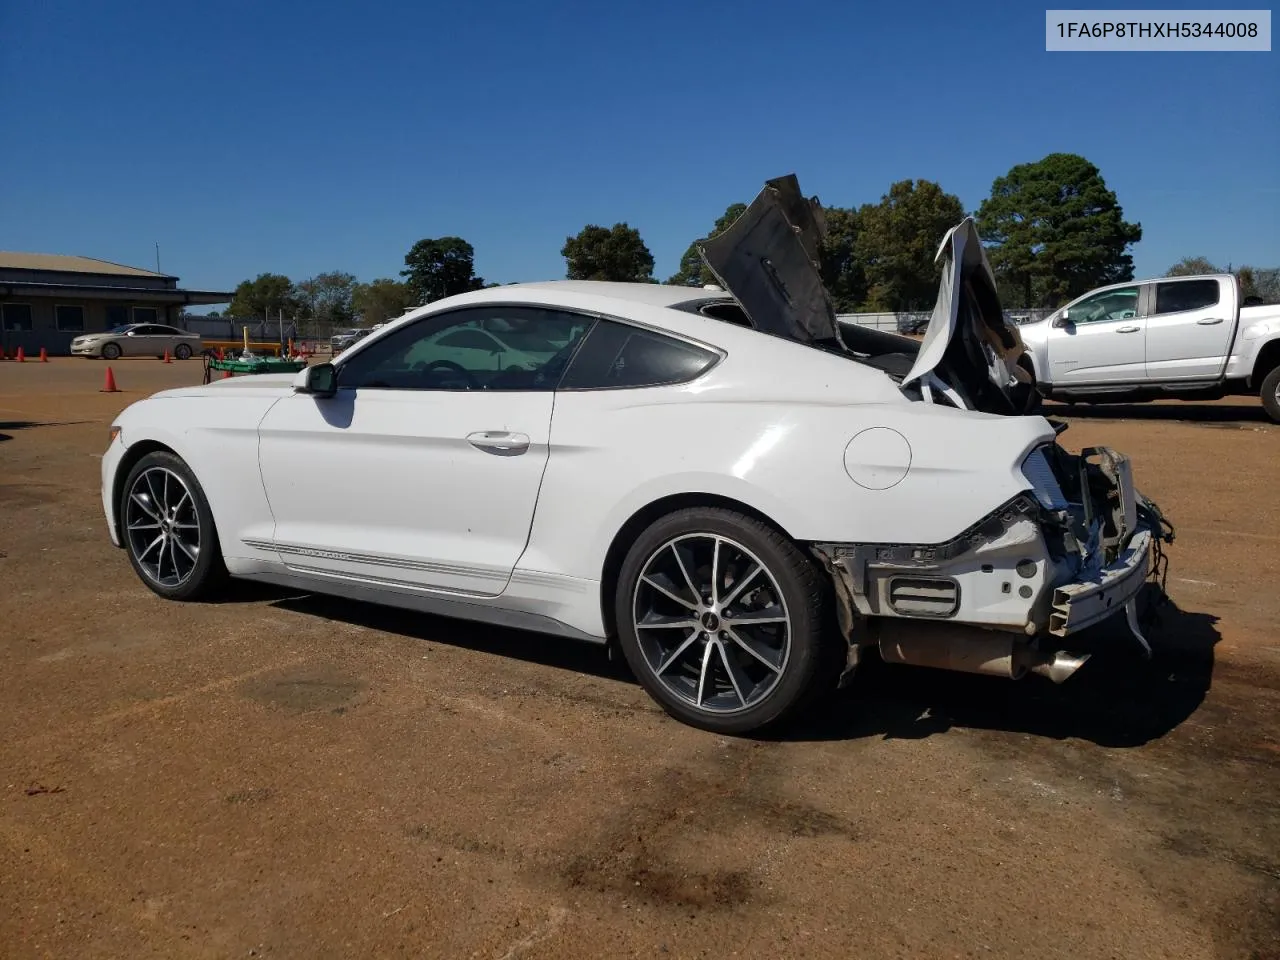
x=236, y=365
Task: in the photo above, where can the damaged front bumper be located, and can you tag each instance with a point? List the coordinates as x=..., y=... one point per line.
x=1065, y=555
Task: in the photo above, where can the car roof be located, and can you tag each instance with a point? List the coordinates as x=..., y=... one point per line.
x=649, y=294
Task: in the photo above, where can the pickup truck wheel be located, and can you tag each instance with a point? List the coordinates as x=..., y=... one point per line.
x=723, y=620
x=1270, y=394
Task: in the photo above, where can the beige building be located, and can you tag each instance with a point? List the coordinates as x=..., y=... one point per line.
x=48, y=299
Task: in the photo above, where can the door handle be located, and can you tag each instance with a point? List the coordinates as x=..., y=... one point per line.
x=499, y=442
x=1208, y=321
x=1127, y=329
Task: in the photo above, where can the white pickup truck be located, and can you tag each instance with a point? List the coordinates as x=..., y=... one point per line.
x=1182, y=338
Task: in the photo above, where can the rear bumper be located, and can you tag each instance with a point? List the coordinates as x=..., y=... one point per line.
x=1078, y=606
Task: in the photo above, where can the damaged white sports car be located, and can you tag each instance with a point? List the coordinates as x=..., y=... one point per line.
x=743, y=492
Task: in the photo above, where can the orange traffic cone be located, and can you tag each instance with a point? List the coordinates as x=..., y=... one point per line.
x=166, y=356
x=20, y=356
x=226, y=374
x=44, y=355
x=109, y=383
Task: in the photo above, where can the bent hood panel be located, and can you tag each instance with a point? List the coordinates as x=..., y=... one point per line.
x=768, y=260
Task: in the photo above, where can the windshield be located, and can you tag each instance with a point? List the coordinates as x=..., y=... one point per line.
x=123, y=328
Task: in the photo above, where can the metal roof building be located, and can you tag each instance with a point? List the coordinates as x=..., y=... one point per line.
x=46, y=299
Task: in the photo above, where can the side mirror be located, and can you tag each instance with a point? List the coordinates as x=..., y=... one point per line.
x=320, y=380
x=1062, y=320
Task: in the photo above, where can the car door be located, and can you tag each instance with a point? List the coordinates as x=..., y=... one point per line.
x=143, y=341
x=1189, y=328
x=1100, y=338
x=421, y=472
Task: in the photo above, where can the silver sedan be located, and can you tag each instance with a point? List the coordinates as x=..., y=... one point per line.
x=137, y=340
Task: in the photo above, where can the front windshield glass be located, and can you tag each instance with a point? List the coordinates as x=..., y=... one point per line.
x=123, y=328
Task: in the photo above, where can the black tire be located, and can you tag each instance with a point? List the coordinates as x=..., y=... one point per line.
x=1270, y=394
x=192, y=579
x=182, y=352
x=111, y=351
x=795, y=673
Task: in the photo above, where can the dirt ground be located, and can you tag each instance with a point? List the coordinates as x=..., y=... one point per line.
x=291, y=776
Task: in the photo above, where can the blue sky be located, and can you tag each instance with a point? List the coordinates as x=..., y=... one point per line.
x=297, y=138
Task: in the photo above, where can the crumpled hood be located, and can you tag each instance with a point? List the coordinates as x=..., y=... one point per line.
x=970, y=352
x=768, y=260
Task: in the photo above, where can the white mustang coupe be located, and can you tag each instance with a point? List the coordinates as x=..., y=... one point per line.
x=744, y=492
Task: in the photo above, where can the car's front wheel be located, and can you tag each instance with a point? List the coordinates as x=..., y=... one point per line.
x=111, y=351
x=168, y=530
x=724, y=620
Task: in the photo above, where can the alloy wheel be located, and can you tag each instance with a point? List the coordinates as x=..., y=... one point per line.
x=162, y=526
x=711, y=623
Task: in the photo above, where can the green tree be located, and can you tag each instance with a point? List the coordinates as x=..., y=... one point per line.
x=1191, y=266
x=381, y=300
x=843, y=273
x=693, y=272
x=1265, y=282
x=327, y=297
x=440, y=268
x=264, y=297
x=1055, y=231
x=601, y=253
x=896, y=241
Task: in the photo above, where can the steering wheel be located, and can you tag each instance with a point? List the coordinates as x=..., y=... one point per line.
x=451, y=367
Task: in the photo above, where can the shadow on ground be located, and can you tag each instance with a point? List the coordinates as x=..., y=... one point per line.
x=1227, y=414
x=1117, y=699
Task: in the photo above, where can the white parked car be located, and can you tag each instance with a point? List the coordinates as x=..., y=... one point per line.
x=746, y=496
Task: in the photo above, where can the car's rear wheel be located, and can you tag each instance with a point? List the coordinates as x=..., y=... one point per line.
x=111, y=351
x=1270, y=394
x=182, y=352
x=724, y=620
x=168, y=530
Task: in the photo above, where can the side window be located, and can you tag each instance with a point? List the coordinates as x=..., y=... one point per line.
x=1180, y=295
x=468, y=340
x=1121, y=304
x=451, y=351
x=617, y=355
x=15, y=316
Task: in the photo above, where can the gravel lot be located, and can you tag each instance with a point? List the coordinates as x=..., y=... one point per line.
x=292, y=776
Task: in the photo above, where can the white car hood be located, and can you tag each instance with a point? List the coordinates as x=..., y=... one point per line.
x=264, y=383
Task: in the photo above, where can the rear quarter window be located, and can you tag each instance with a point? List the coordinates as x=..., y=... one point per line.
x=1182, y=295
x=616, y=355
